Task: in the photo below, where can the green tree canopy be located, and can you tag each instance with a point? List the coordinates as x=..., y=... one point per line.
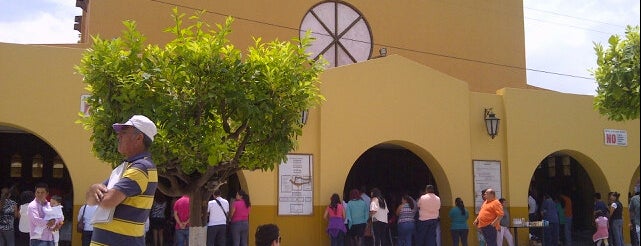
x=218, y=110
x=617, y=76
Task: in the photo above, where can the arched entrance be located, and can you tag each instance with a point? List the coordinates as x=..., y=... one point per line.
x=561, y=174
x=25, y=160
x=393, y=169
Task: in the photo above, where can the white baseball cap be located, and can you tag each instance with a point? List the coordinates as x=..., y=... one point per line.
x=140, y=122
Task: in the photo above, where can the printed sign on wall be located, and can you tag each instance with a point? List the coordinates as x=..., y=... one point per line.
x=295, y=189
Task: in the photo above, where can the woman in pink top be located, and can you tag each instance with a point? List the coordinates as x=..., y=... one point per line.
x=335, y=214
x=239, y=214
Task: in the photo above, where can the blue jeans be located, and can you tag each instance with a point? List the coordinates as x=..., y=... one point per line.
x=617, y=229
x=405, y=232
x=489, y=233
x=459, y=234
x=567, y=231
x=182, y=237
x=426, y=232
x=551, y=234
x=240, y=233
x=217, y=235
x=36, y=242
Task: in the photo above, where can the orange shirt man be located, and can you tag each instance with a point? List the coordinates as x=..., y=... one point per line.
x=489, y=218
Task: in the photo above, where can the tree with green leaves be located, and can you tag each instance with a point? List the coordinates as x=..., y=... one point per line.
x=218, y=110
x=617, y=76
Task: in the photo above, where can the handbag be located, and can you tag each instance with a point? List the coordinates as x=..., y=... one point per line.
x=80, y=227
x=368, y=229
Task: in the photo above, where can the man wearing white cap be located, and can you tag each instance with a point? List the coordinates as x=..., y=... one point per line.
x=124, y=200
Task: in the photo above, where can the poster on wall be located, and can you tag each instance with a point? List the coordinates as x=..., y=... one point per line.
x=295, y=186
x=487, y=174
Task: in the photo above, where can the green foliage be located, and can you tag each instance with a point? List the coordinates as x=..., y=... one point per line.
x=217, y=112
x=617, y=76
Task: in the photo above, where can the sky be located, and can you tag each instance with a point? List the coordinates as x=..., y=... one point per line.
x=559, y=34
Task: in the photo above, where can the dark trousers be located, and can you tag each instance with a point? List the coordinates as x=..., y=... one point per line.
x=86, y=237
x=551, y=234
x=489, y=233
x=380, y=233
x=426, y=232
x=217, y=235
x=460, y=234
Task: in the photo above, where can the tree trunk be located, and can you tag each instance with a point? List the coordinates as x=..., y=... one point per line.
x=198, y=217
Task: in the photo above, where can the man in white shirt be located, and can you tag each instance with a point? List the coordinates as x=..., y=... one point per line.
x=218, y=210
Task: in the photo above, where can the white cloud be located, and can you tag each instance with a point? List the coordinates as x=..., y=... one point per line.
x=559, y=38
x=42, y=29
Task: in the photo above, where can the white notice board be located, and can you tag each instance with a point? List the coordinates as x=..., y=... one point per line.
x=295, y=186
x=487, y=174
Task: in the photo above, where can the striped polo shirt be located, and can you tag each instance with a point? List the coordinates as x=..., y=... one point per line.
x=138, y=183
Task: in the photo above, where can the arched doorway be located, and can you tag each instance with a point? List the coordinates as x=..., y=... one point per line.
x=561, y=174
x=25, y=160
x=393, y=169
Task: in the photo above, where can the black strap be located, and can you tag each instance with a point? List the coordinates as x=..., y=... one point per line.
x=83, y=213
x=221, y=208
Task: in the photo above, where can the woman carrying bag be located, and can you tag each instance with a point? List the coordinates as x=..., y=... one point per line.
x=84, y=223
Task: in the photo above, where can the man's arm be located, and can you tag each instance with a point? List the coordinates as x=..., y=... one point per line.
x=181, y=224
x=98, y=194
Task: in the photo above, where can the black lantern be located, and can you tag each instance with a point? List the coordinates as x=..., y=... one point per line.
x=491, y=123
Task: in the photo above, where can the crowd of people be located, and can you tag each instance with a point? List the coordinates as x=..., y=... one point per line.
x=363, y=216
x=365, y=219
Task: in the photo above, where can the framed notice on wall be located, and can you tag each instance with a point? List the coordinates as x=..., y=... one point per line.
x=295, y=185
x=487, y=174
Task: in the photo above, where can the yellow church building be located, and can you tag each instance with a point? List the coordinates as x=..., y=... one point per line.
x=411, y=89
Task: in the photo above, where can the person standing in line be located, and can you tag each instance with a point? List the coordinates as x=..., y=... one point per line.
x=357, y=217
x=560, y=209
x=367, y=238
x=479, y=233
x=567, y=210
x=599, y=205
x=634, y=216
x=489, y=217
x=86, y=214
x=505, y=223
x=378, y=210
x=267, y=235
x=550, y=213
x=405, y=213
x=532, y=215
x=218, y=209
x=181, y=216
x=601, y=235
x=24, y=223
x=9, y=212
x=158, y=219
x=240, y=219
x=616, y=219
x=335, y=215
x=129, y=191
x=459, y=216
x=40, y=230
x=429, y=205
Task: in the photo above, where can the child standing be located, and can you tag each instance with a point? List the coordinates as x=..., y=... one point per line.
x=601, y=234
x=55, y=212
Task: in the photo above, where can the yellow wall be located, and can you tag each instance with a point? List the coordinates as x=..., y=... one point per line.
x=427, y=103
x=482, y=43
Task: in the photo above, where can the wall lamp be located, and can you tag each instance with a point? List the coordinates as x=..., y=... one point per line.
x=491, y=122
